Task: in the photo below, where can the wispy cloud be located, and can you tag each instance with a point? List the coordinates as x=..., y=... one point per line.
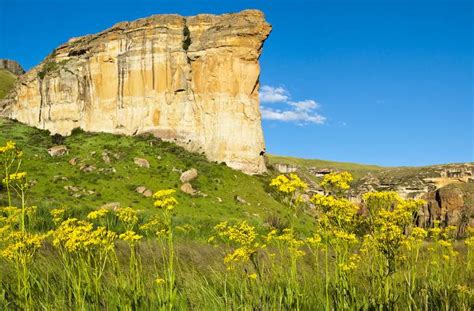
x=304, y=105
x=270, y=94
x=300, y=112
x=299, y=117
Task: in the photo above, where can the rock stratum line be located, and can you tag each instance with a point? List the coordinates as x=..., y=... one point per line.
x=191, y=80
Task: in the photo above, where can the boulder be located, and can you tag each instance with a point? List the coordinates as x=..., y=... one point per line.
x=189, y=175
x=240, y=200
x=142, y=162
x=140, y=189
x=105, y=158
x=188, y=188
x=73, y=161
x=87, y=168
x=148, y=193
x=112, y=206
x=57, y=151
x=144, y=191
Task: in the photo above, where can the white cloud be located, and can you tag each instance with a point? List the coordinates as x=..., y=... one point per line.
x=300, y=112
x=297, y=116
x=304, y=105
x=270, y=94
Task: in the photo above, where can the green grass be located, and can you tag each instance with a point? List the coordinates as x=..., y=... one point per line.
x=284, y=281
x=7, y=80
x=219, y=183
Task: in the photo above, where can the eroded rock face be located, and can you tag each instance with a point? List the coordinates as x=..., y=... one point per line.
x=11, y=66
x=192, y=80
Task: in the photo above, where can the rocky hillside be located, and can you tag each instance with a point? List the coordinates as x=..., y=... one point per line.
x=86, y=171
x=191, y=80
x=9, y=71
x=448, y=189
x=11, y=66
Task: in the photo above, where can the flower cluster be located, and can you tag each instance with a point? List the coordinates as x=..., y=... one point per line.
x=164, y=199
x=21, y=246
x=289, y=184
x=97, y=214
x=130, y=237
x=80, y=236
x=336, y=181
x=243, y=236
x=57, y=214
x=350, y=264
x=15, y=177
x=10, y=146
x=128, y=216
x=290, y=241
x=340, y=212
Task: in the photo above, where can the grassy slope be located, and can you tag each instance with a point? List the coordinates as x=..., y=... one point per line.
x=7, y=80
x=357, y=170
x=399, y=174
x=215, y=180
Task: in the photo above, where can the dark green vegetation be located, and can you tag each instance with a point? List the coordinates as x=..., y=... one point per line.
x=117, y=181
x=50, y=66
x=7, y=81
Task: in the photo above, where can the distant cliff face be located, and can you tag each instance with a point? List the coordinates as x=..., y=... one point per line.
x=192, y=80
x=11, y=66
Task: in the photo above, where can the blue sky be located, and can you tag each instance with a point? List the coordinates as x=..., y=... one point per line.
x=382, y=82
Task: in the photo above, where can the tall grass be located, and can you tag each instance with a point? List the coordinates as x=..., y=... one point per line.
x=124, y=259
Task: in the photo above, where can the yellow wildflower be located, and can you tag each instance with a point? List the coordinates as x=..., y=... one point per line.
x=15, y=177
x=57, y=214
x=10, y=145
x=164, y=199
x=74, y=236
x=127, y=215
x=336, y=181
x=419, y=233
x=21, y=245
x=252, y=276
x=289, y=184
x=130, y=236
x=97, y=214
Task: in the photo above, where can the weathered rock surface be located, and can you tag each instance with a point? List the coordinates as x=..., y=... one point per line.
x=144, y=191
x=73, y=161
x=452, y=206
x=11, y=66
x=188, y=188
x=113, y=206
x=142, y=162
x=285, y=168
x=189, y=175
x=192, y=80
x=57, y=151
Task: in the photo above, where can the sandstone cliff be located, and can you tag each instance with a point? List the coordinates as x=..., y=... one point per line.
x=192, y=80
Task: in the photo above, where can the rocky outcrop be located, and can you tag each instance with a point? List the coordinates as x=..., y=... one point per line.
x=451, y=206
x=191, y=80
x=447, y=189
x=12, y=66
x=189, y=175
x=285, y=168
